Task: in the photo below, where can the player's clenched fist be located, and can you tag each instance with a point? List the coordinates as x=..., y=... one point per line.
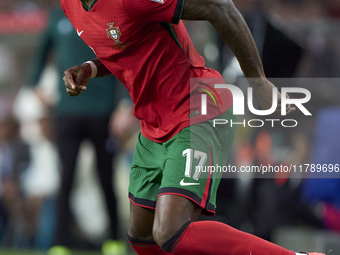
x=76, y=78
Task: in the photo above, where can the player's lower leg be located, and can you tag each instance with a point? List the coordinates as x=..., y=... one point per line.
x=204, y=237
x=210, y=237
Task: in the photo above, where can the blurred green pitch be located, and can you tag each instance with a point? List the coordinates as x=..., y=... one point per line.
x=30, y=252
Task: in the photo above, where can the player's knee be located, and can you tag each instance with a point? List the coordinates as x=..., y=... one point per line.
x=140, y=233
x=141, y=221
x=162, y=234
x=166, y=233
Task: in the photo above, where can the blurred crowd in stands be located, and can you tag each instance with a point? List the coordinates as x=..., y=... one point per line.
x=296, y=39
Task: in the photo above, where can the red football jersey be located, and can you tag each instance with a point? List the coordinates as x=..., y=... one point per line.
x=146, y=46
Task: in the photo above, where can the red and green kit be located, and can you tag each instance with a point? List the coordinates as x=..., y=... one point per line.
x=146, y=46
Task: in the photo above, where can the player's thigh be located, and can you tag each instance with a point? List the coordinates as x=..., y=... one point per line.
x=191, y=161
x=141, y=222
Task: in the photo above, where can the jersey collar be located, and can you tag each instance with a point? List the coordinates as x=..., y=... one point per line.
x=88, y=8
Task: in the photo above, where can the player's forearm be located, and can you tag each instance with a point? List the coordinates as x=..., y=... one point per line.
x=231, y=26
x=101, y=69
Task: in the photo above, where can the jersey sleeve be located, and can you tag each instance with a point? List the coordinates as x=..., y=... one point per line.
x=168, y=11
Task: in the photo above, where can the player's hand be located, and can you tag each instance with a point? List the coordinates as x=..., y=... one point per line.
x=264, y=93
x=76, y=79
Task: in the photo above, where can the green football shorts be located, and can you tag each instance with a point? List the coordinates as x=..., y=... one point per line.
x=180, y=165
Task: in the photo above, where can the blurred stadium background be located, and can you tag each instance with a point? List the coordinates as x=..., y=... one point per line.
x=296, y=38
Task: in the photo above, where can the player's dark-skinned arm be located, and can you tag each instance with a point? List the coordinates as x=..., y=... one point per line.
x=77, y=77
x=230, y=25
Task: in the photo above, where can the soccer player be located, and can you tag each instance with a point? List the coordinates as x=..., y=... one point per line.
x=146, y=46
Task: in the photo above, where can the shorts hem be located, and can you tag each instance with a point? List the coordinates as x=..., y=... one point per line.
x=142, y=202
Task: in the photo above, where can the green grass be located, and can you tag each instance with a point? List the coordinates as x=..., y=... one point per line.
x=29, y=252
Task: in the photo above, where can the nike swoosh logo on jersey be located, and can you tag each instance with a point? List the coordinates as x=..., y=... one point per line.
x=182, y=183
x=79, y=33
